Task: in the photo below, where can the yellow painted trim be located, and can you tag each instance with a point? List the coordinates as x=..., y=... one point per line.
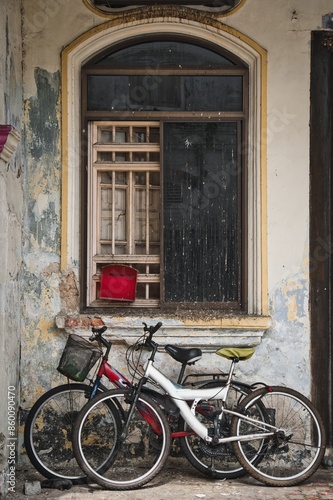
x=203, y=19
x=253, y=323
x=96, y=11
x=233, y=322
x=64, y=165
x=263, y=186
x=234, y=10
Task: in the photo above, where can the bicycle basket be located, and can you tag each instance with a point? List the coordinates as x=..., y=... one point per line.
x=78, y=358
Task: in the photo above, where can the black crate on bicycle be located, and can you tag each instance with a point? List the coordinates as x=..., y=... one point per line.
x=78, y=358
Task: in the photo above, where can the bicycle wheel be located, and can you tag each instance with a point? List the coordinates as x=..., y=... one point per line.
x=112, y=461
x=217, y=461
x=295, y=442
x=48, y=431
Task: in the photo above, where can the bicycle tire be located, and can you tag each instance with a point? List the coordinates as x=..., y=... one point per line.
x=135, y=460
x=296, y=449
x=48, y=431
x=216, y=461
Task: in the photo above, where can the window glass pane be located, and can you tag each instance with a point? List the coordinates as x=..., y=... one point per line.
x=106, y=177
x=106, y=205
x=164, y=54
x=154, y=135
x=121, y=135
x=120, y=177
x=106, y=249
x=139, y=157
x=140, y=214
x=154, y=178
x=154, y=219
x=179, y=93
x=121, y=157
x=139, y=134
x=120, y=215
x=103, y=157
x=140, y=178
x=201, y=214
x=154, y=291
x=105, y=136
x=154, y=157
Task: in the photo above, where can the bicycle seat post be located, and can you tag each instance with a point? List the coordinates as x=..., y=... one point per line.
x=231, y=374
x=181, y=373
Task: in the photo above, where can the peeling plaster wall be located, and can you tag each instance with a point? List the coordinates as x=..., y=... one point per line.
x=284, y=30
x=41, y=248
x=42, y=282
x=11, y=203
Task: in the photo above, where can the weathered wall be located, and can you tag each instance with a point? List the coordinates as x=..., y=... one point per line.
x=42, y=280
x=11, y=203
x=284, y=31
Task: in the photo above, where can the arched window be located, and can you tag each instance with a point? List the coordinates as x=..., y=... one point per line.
x=165, y=137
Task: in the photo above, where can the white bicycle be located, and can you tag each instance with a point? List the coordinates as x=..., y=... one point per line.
x=121, y=438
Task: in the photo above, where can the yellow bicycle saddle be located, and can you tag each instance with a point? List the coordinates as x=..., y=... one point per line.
x=242, y=353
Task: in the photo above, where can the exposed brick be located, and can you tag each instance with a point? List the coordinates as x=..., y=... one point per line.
x=72, y=322
x=97, y=322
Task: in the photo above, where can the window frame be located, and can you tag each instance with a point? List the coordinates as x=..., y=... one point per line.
x=95, y=259
x=82, y=49
x=164, y=116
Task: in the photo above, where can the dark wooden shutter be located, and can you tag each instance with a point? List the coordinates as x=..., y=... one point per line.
x=201, y=212
x=321, y=227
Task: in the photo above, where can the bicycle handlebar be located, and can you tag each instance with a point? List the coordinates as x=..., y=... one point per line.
x=148, y=342
x=98, y=332
x=152, y=329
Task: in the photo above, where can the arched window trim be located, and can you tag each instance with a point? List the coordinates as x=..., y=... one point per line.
x=82, y=49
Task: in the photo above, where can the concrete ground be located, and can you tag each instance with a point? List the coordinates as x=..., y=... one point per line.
x=179, y=481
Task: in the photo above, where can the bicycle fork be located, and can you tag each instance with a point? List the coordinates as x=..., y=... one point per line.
x=143, y=409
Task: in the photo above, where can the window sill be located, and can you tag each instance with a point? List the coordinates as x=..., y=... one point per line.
x=237, y=330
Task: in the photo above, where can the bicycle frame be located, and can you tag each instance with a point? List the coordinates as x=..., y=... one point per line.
x=121, y=382
x=180, y=395
x=117, y=378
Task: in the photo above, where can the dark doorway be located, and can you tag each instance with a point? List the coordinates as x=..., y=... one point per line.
x=321, y=223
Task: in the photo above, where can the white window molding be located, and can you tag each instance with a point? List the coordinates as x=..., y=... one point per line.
x=92, y=42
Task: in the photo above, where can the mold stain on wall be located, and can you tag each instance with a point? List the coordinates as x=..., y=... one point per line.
x=43, y=119
x=41, y=275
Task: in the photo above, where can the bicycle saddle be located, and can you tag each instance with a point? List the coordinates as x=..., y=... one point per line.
x=183, y=355
x=240, y=353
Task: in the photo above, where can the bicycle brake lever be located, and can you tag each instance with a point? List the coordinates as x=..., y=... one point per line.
x=152, y=329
